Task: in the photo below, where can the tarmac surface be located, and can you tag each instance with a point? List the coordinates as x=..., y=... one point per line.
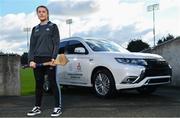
x=81, y=102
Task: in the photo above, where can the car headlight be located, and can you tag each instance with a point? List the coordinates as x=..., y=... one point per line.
x=132, y=61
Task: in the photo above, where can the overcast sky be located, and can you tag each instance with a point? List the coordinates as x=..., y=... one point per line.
x=117, y=20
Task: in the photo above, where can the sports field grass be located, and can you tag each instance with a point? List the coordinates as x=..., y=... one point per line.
x=27, y=82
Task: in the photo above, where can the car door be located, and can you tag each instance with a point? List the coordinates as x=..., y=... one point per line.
x=76, y=69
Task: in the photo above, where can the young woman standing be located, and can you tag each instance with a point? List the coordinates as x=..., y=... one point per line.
x=44, y=44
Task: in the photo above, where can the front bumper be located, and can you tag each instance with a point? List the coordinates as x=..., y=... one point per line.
x=156, y=80
x=155, y=73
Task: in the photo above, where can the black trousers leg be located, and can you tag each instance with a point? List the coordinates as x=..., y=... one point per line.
x=39, y=74
x=54, y=85
x=39, y=79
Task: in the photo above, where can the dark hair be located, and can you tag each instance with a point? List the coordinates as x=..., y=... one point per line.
x=42, y=6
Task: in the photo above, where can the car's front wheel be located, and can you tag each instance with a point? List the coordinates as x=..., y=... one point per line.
x=103, y=83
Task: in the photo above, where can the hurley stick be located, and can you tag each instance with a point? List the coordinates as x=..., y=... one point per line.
x=60, y=60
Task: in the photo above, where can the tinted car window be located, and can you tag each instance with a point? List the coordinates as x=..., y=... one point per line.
x=105, y=45
x=62, y=47
x=75, y=44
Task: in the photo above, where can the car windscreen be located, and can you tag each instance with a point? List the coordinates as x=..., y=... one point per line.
x=104, y=45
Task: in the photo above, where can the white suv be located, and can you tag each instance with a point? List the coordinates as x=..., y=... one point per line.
x=107, y=67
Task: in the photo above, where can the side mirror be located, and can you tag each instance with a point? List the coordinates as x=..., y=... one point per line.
x=79, y=50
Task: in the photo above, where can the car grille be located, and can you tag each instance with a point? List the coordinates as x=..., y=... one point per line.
x=157, y=68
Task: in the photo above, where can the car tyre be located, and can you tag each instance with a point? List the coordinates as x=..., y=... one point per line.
x=104, y=84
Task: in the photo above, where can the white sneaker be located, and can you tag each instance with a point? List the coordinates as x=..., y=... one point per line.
x=57, y=111
x=35, y=111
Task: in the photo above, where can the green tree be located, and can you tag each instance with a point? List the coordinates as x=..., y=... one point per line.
x=1, y=53
x=169, y=37
x=160, y=41
x=137, y=45
x=164, y=39
x=24, y=58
